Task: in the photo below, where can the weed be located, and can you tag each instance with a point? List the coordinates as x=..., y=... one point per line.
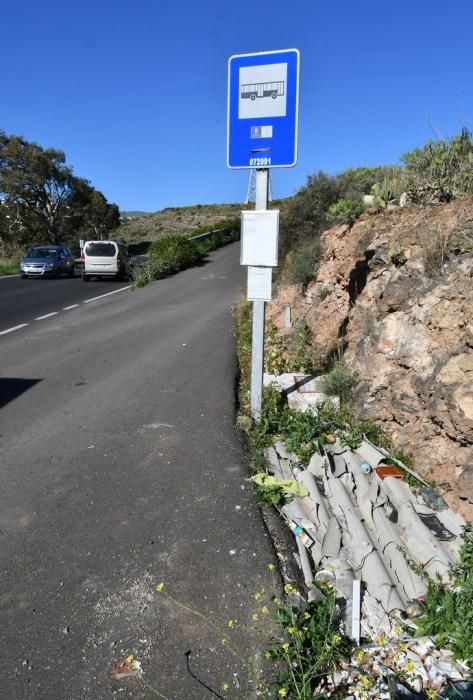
x=345, y=211
x=9, y=266
x=291, y=352
x=447, y=612
x=366, y=319
x=340, y=381
x=398, y=256
x=435, y=247
x=313, y=648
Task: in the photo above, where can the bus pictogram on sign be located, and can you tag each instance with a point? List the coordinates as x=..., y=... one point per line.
x=252, y=91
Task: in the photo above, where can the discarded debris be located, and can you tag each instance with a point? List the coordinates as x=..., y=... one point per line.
x=127, y=666
x=363, y=531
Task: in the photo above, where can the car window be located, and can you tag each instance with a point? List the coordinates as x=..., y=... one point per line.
x=42, y=253
x=106, y=250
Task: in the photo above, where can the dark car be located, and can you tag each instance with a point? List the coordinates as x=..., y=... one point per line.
x=47, y=261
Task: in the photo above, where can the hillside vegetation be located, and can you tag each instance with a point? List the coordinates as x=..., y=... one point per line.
x=189, y=220
x=381, y=301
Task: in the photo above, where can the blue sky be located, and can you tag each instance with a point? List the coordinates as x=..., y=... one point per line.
x=135, y=92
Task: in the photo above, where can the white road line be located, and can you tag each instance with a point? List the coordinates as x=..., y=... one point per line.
x=87, y=301
x=14, y=328
x=5, y=277
x=73, y=306
x=41, y=318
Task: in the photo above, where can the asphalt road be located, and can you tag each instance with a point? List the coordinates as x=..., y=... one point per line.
x=121, y=468
x=22, y=301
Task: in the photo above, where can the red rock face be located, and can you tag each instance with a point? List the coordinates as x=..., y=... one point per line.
x=407, y=335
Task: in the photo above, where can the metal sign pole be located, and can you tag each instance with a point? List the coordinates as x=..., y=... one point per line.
x=257, y=351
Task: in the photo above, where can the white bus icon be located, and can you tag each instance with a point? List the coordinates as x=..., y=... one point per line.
x=253, y=90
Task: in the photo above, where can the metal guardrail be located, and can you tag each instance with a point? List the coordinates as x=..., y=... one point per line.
x=203, y=236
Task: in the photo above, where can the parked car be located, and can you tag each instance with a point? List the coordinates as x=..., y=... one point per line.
x=106, y=259
x=47, y=261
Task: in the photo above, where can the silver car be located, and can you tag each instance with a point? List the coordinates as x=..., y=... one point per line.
x=47, y=261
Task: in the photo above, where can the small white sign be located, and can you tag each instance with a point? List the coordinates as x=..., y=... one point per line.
x=259, y=238
x=259, y=283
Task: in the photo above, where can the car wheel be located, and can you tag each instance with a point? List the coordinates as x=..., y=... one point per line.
x=71, y=271
x=24, y=277
x=85, y=278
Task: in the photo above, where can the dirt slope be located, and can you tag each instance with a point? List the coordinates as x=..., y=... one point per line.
x=405, y=322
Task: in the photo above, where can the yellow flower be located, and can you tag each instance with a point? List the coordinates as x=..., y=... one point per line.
x=288, y=588
x=431, y=694
x=231, y=623
x=224, y=641
x=257, y=596
x=225, y=686
x=360, y=655
x=276, y=601
x=265, y=610
x=285, y=647
x=306, y=616
x=410, y=666
x=160, y=586
x=336, y=639
x=271, y=567
x=402, y=646
x=364, y=680
x=381, y=640
x=282, y=692
x=130, y=658
x=254, y=617
x=397, y=629
x=290, y=630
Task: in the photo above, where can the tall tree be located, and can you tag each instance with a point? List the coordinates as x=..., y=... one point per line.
x=97, y=216
x=36, y=183
x=42, y=200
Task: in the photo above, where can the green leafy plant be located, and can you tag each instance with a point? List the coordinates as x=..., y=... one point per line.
x=398, y=257
x=312, y=648
x=345, y=211
x=447, y=611
x=388, y=191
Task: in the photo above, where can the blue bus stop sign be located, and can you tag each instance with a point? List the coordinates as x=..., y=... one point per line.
x=263, y=109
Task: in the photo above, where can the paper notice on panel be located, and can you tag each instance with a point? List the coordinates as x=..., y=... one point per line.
x=259, y=283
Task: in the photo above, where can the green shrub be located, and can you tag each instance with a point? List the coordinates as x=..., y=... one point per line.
x=290, y=352
x=339, y=382
x=345, y=211
x=442, y=170
x=301, y=266
x=389, y=190
x=175, y=252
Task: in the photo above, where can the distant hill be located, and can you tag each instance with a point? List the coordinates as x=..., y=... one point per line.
x=179, y=220
x=132, y=214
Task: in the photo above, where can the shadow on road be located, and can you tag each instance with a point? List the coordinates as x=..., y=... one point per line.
x=12, y=387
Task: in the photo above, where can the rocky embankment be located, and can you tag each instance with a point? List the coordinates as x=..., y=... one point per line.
x=395, y=293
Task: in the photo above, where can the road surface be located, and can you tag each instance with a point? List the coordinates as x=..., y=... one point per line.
x=121, y=468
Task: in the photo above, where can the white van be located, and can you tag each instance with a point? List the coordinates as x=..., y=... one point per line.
x=106, y=259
